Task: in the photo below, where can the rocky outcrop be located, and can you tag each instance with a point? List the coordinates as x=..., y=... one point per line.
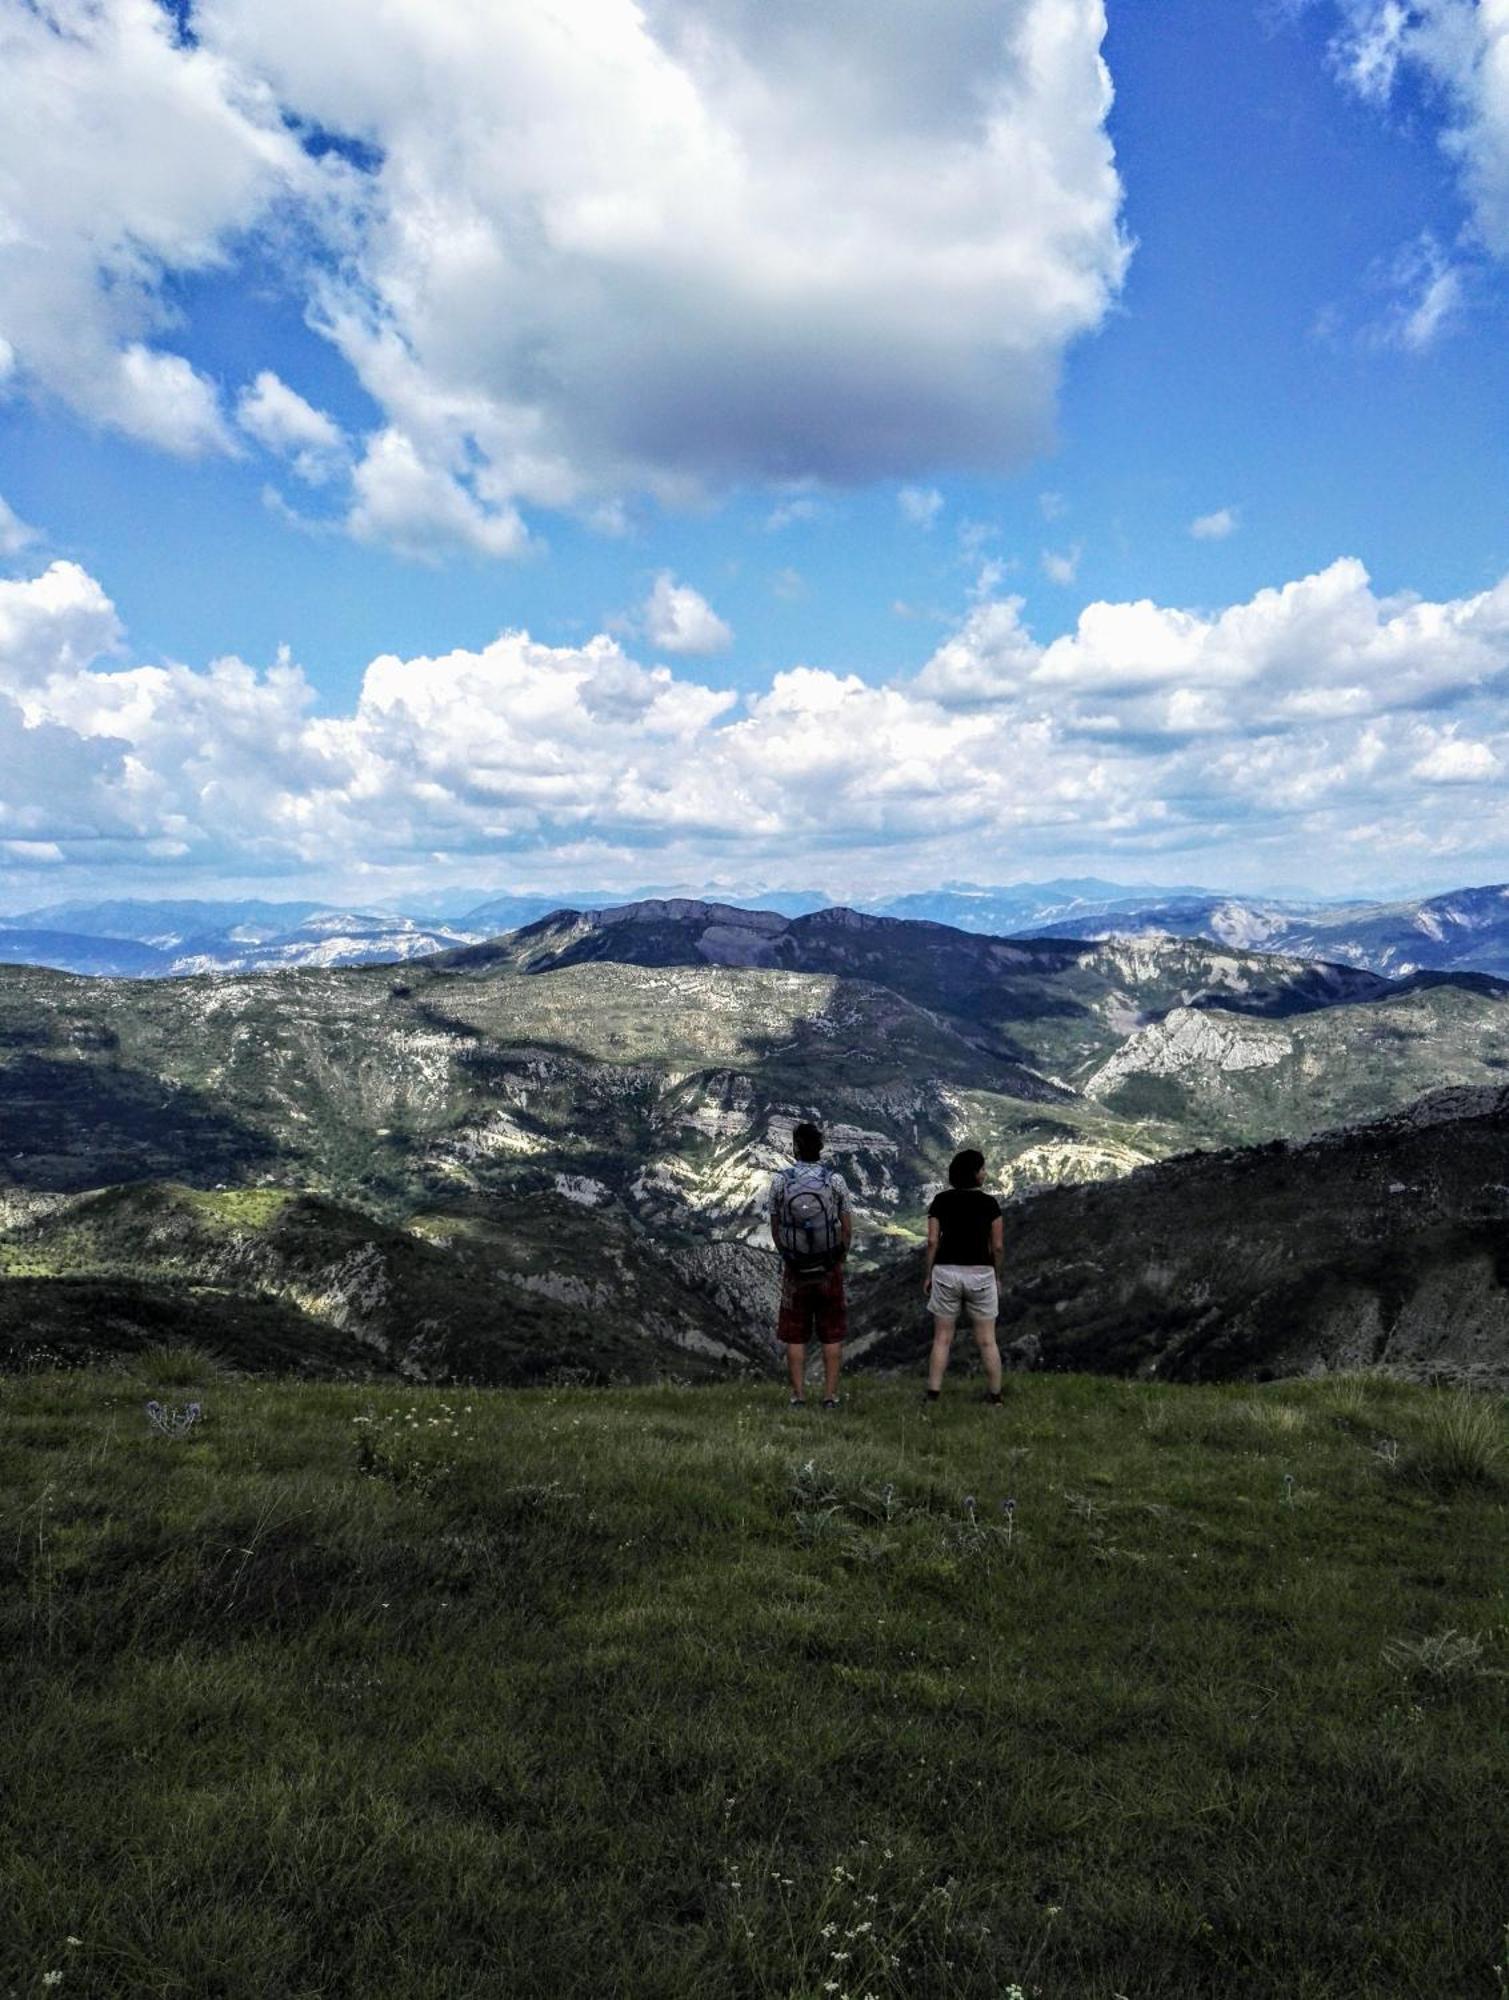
x=1187, y=1039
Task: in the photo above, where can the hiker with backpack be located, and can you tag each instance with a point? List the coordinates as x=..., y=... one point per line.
x=966, y=1238
x=811, y=1224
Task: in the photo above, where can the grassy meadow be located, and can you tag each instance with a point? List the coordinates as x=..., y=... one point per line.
x=1121, y=1689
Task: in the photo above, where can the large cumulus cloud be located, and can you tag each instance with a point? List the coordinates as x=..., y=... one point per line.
x=618, y=247
x=1292, y=733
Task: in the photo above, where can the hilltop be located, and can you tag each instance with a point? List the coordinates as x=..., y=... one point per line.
x=411, y=1694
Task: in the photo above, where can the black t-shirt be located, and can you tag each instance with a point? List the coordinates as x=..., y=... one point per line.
x=964, y=1219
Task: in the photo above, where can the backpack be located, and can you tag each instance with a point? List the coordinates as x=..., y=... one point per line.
x=813, y=1231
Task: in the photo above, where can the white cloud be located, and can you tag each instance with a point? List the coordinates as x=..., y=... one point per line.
x=666, y=247
x=989, y=578
x=1370, y=48
x=164, y=401
x=803, y=507
x=1290, y=725
x=282, y=422
x=422, y=509
x=677, y=619
x=1321, y=650
x=1062, y=566
x=990, y=658
x=1462, y=48
x=125, y=156
x=1215, y=527
x=1432, y=294
x=15, y=535
x=921, y=505
x=1455, y=761
x=32, y=853
x=56, y=623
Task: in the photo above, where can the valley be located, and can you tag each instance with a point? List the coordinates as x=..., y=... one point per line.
x=551, y=1150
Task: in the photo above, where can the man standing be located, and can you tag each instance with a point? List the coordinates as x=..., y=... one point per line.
x=811, y=1224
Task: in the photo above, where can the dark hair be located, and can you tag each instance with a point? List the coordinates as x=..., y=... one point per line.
x=964, y=1168
x=807, y=1142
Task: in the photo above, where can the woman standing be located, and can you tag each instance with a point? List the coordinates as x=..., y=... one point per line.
x=965, y=1242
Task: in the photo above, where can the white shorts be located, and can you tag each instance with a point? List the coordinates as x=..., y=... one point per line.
x=970, y=1287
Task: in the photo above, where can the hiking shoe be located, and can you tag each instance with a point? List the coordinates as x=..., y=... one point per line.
x=797, y=1403
x=929, y=1396
x=996, y=1398
x=830, y=1402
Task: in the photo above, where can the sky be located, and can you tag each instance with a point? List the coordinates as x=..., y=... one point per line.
x=738, y=445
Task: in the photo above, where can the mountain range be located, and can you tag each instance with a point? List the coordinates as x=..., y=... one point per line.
x=551, y=1149
x=1465, y=930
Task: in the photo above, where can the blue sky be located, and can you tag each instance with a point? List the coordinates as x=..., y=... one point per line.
x=903, y=468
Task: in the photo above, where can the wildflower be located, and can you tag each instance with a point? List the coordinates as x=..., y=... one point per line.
x=73, y=1940
x=52, y=1979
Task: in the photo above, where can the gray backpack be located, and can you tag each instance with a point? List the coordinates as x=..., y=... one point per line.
x=813, y=1228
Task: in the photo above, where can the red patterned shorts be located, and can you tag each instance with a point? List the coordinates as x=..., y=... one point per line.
x=813, y=1308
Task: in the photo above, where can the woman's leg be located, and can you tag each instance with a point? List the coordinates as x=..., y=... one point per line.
x=990, y=1354
x=943, y=1340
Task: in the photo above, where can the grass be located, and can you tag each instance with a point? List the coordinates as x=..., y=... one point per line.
x=422, y=1694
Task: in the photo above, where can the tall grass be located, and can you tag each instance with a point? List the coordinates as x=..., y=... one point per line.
x=1120, y=1689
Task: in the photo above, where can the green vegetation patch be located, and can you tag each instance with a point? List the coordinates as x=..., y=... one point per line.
x=237, y=1208
x=1122, y=1689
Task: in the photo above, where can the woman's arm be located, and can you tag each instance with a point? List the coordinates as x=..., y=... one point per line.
x=932, y=1253
x=998, y=1248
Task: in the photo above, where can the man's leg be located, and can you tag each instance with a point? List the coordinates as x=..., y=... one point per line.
x=943, y=1340
x=832, y=1355
x=990, y=1354
x=796, y=1365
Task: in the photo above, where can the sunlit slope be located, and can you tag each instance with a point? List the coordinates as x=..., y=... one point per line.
x=674, y=1085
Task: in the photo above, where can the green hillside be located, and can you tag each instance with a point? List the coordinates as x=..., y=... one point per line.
x=402, y=1694
x=274, y=1280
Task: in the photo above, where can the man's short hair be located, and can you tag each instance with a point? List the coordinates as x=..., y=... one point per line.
x=807, y=1142
x=964, y=1167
